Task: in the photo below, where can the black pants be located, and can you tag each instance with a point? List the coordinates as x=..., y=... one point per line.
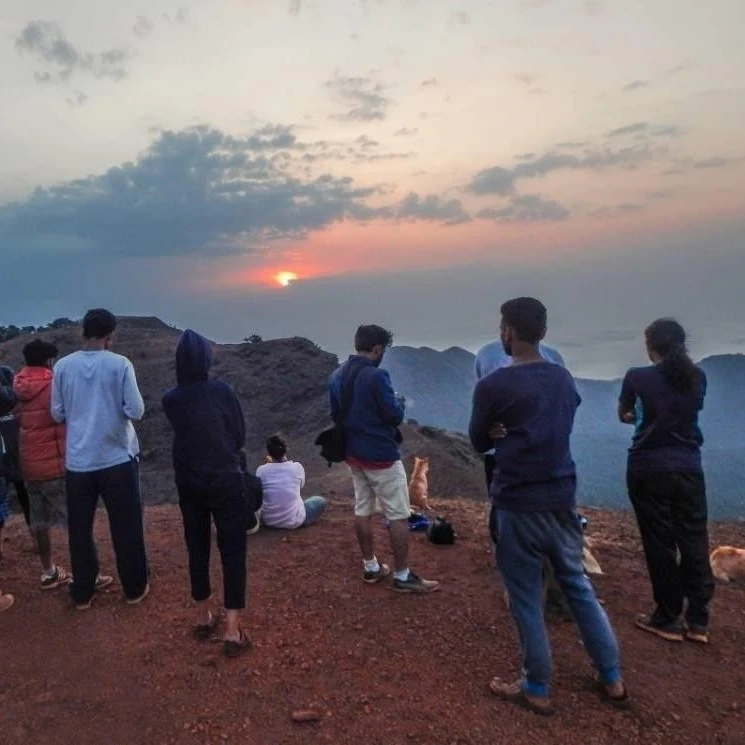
x=227, y=507
x=119, y=487
x=22, y=496
x=672, y=514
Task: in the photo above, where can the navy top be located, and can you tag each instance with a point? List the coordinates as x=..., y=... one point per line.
x=374, y=414
x=536, y=402
x=208, y=426
x=667, y=436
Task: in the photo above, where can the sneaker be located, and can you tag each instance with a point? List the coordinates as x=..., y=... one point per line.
x=140, y=598
x=372, y=577
x=698, y=634
x=414, y=583
x=58, y=577
x=671, y=631
x=102, y=582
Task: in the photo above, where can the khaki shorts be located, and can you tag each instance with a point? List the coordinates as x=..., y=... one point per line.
x=47, y=502
x=385, y=486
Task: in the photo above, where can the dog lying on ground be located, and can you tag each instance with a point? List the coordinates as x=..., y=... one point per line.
x=728, y=564
x=418, y=487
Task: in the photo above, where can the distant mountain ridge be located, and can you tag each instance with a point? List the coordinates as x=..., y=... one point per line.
x=439, y=385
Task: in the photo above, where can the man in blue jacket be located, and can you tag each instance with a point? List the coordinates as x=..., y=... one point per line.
x=374, y=457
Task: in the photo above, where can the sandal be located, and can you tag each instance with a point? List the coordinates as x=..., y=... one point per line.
x=620, y=702
x=516, y=694
x=203, y=631
x=233, y=648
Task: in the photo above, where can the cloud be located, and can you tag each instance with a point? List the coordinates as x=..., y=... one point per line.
x=628, y=130
x=525, y=156
x=77, y=99
x=143, y=27
x=635, y=85
x=572, y=145
x=195, y=190
x=498, y=180
x=526, y=208
x=525, y=78
x=429, y=83
x=363, y=97
x=618, y=209
x=682, y=67
x=432, y=207
x=711, y=163
x=46, y=41
x=406, y=132
x=660, y=194
x=666, y=131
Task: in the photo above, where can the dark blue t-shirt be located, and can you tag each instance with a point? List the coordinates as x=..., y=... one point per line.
x=536, y=402
x=667, y=436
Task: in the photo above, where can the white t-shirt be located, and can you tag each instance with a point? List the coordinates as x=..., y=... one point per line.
x=283, y=506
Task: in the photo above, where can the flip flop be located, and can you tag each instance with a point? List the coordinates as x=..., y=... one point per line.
x=233, y=648
x=516, y=694
x=203, y=631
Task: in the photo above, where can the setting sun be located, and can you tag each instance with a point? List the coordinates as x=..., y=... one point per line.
x=284, y=278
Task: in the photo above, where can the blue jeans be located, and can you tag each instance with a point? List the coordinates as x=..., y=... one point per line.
x=524, y=539
x=314, y=508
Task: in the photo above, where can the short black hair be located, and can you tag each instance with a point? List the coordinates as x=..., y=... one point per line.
x=527, y=317
x=98, y=323
x=38, y=352
x=276, y=447
x=370, y=336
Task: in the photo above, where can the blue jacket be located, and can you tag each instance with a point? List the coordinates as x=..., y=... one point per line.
x=375, y=412
x=208, y=426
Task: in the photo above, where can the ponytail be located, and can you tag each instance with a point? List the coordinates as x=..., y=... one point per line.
x=667, y=338
x=276, y=447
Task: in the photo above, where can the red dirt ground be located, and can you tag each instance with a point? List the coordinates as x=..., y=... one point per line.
x=382, y=668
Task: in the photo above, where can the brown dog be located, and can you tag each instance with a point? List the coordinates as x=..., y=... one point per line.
x=418, y=488
x=728, y=564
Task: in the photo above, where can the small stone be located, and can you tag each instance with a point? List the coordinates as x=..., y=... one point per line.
x=305, y=715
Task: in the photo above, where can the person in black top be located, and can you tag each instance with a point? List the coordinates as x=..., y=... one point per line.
x=666, y=483
x=209, y=434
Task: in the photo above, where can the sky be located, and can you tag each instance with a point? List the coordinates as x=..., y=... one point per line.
x=413, y=163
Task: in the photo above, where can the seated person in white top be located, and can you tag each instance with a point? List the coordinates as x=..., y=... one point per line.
x=282, y=480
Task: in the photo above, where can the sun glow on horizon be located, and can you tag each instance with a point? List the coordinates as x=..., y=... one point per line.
x=284, y=278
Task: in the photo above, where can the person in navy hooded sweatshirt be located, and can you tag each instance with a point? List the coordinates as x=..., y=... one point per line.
x=209, y=435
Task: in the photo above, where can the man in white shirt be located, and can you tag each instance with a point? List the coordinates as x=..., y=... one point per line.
x=94, y=391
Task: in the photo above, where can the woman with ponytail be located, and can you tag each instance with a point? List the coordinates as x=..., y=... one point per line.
x=666, y=483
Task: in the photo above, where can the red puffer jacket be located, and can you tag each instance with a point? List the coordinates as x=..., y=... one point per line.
x=42, y=440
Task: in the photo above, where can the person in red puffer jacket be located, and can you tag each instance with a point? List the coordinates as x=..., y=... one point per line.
x=42, y=454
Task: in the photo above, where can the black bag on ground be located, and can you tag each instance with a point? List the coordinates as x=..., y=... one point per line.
x=441, y=532
x=333, y=441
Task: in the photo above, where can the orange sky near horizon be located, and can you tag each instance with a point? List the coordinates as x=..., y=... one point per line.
x=382, y=247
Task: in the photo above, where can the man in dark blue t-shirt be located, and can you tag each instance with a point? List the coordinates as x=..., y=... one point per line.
x=529, y=407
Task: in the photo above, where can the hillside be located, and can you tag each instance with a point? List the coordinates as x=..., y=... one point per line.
x=381, y=668
x=440, y=385
x=282, y=387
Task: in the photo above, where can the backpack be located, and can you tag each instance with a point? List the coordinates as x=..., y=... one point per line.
x=333, y=441
x=441, y=532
